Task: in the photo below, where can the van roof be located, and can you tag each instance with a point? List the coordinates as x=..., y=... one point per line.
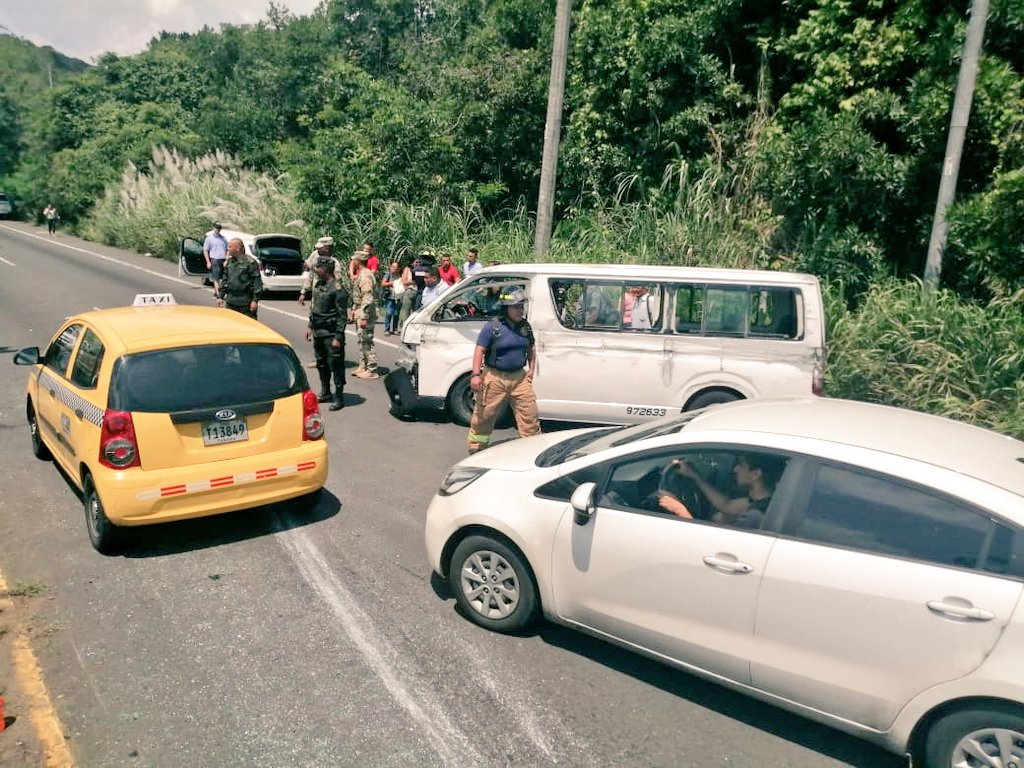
x=653, y=272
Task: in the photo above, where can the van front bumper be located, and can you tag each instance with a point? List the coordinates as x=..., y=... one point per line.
x=400, y=384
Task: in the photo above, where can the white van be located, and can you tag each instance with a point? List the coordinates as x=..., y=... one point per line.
x=280, y=257
x=620, y=344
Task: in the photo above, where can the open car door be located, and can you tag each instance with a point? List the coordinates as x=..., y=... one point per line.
x=190, y=258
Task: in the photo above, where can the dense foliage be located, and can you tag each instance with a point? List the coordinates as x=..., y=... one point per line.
x=800, y=134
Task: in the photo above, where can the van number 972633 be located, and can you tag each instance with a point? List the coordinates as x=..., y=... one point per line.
x=636, y=410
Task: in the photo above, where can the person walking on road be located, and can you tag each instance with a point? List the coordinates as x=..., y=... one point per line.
x=240, y=284
x=364, y=314
x=410, y=292
x=393, y=289
x=504, y=348
x=215, y=250
x=328, y=316
x=51, y=216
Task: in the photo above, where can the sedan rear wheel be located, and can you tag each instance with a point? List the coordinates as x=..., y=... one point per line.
x=104, y=535
x=493, y=585
x=986, y=736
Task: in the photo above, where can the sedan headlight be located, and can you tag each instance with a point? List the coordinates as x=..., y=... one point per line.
x=458, y=479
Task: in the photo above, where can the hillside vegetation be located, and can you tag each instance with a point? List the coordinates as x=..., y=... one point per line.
x=795, y=134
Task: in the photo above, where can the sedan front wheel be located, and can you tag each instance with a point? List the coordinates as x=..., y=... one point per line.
x=493, y=585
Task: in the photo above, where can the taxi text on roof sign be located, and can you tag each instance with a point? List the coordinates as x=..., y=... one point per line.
x=154, y=300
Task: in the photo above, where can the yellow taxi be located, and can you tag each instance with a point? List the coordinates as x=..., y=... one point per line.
x=161, y=412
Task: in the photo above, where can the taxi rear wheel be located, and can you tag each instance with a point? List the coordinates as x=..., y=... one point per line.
x=39, y=449
x=104, y=535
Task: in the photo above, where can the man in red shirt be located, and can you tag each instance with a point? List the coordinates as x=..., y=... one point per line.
x=448, y=271
x=373, y=262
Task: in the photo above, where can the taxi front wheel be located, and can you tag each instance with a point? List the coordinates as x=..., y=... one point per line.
x=104, y=535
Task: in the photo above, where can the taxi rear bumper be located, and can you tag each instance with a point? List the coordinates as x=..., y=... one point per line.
x=137, y=497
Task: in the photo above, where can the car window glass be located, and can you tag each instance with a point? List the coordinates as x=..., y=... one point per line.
x=59, y=353
x=88, y=360
x=725, y=311
x=641, y=307
x=1005, y=555
x=717, y=487
x=773, y=313
x=561, y=489
x=215, y=375
x=861, y=511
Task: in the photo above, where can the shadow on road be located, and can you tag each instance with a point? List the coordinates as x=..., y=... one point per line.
x=204, y=532
x=736, y=706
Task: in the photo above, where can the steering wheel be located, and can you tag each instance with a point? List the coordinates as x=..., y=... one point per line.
x=683, y=488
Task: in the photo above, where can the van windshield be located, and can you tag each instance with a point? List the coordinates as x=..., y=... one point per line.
x=598, y=440
x=214, y=375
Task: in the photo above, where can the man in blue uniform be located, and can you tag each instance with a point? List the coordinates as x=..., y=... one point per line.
x=504, y=362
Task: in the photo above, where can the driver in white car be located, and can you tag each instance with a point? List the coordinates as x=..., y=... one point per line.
x=756, y=474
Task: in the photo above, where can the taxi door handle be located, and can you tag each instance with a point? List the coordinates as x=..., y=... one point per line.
x=732, y=565
x=959, y=611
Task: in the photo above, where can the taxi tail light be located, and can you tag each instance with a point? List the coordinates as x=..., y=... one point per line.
x=312, y=421
x=119, y=448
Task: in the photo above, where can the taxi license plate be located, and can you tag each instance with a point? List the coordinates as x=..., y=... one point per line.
x=219, y=432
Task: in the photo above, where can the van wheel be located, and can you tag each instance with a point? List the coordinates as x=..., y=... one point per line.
x=461, y=400
x=711, y=398
x=39, y=449
x=104, y=535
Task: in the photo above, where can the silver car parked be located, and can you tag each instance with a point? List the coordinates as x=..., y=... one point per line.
x=860, y=565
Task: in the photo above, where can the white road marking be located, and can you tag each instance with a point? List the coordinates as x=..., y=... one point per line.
x=452, y=745
x=8, y=263
x=172, y=278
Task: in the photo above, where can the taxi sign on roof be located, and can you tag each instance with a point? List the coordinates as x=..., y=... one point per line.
x=154, y=300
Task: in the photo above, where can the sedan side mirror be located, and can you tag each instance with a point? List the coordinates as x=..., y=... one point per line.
x=582, y=502
x=27, y=356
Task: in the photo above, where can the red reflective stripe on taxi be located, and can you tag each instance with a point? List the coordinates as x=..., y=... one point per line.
x=226, y=480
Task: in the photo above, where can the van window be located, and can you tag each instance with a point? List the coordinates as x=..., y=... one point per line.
x=478, y=300
x=604, y=306
x=741, y=311
x=186, y=378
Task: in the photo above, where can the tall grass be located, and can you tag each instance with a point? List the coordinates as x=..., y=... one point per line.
x=930, y=352
x=149, y=209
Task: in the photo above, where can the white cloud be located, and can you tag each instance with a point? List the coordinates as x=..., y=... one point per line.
x=87, y=28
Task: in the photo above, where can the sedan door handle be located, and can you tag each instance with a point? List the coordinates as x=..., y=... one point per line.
x=960, y=611
x=728, y=563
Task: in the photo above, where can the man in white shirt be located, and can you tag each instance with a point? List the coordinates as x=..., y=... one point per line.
x=473, y=264
x=433, y=286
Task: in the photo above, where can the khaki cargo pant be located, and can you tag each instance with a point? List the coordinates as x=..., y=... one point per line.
x=495, y=388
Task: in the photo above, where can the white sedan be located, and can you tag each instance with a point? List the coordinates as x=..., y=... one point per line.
x=860, y=565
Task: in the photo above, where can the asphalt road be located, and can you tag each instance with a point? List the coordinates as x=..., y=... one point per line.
x=258, y=638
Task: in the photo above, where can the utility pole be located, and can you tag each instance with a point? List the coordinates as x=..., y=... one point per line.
x=955, y=142
x=552, y=130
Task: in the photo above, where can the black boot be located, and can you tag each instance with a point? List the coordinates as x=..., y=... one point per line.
x=339, y=402
x=325, y=386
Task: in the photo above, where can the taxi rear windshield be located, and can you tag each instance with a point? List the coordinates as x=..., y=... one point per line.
x=208, y=376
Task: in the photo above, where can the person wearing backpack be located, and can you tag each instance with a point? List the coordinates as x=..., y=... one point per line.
x=504, y=362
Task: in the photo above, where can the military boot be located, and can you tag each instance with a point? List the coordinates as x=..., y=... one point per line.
x=325, y=386
x=339, y=402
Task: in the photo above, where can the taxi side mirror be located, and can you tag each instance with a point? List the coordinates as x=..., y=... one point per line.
x=28, y=356
x=582, y=501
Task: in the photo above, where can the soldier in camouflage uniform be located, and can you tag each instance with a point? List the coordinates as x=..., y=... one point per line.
x=240, y=283
x=328, y=315
x=364, y=314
